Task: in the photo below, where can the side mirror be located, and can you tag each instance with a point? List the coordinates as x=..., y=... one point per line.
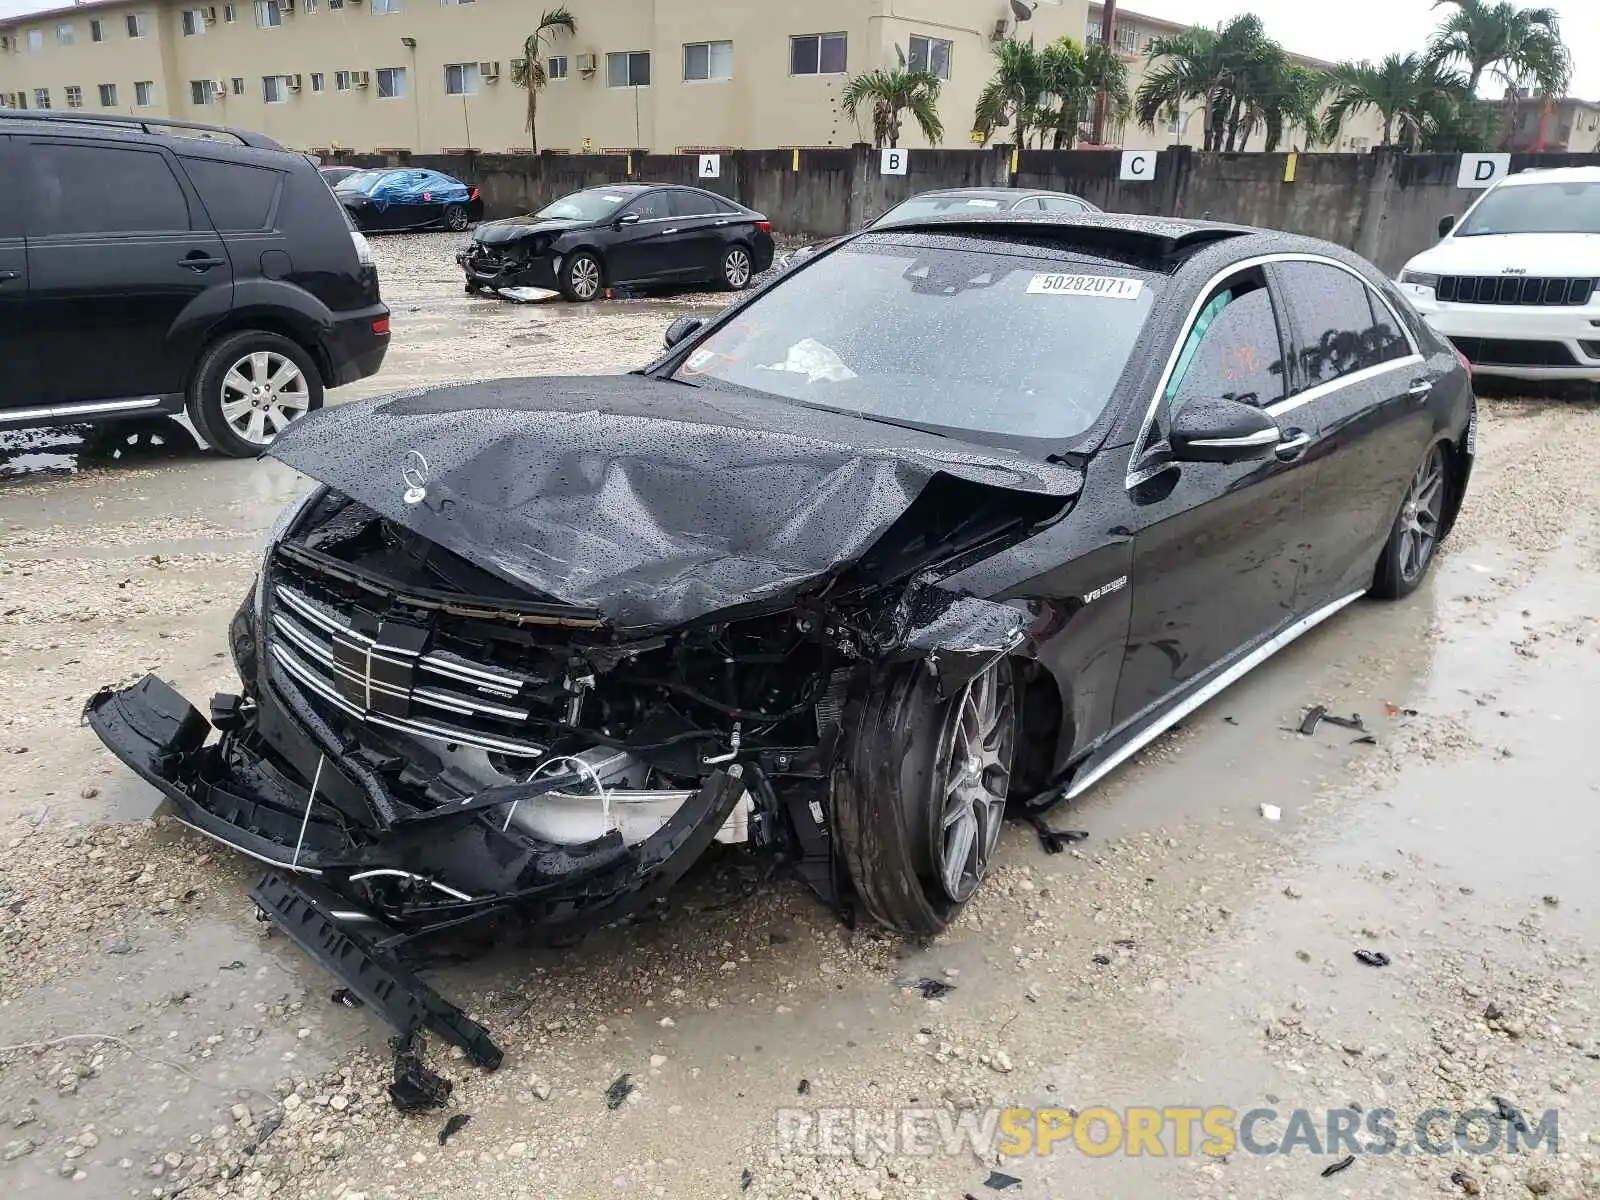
x=1222, y=431
x=1446, y=224
x=682, y=328
x=628, y=218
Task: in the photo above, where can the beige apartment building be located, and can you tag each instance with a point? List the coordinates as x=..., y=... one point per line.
x=431, y=75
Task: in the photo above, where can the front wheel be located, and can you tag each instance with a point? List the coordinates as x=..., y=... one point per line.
x=1415, y=534
x=580, y=278
x=456, y=218
x=920, y=797
x=249, y=387
x=735, y=268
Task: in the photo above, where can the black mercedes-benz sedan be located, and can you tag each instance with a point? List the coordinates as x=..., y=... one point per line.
x=822, y=581
x=633, y=234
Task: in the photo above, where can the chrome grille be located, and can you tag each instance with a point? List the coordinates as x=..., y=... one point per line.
x=1515, y=290
x=379, y=670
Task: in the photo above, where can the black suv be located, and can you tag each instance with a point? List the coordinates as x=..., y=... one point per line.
x=169, y=267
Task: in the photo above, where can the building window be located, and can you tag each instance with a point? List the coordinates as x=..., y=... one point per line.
x=97, y=31
x=194, y=22
x=230, y=13
x=136, y=25
x=931, y=55
x=332, y=4
x=385, y=6
x=817, y=54
x=201, y=91
x=144, y=93
x=460, y=79
x=74, y=97
x=316, y=81
x=237, y=85
x=275, y=89
x=707, y=60
x=268, y=14
x=41, y=97
x=556, y=68
x=456, y=3
x=628, y=68
x=341, y=81
x=65, y=35
x=108, y=95
x=35, y=39
x=308, y=6
x=391, y=83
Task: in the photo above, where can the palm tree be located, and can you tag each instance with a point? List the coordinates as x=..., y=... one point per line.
x=1186, y=66
x=1495, y=35
x=1103, y=71
x=1217, y=67
x=1412, y=93
x=528, y=72
x=1289, y=97
x=890, y=93
x=1011, y=97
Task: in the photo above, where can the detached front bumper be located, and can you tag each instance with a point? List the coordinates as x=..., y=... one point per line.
x=494, y=271
x=1518, y=341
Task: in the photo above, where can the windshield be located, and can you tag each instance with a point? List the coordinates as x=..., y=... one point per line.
x=596, y=204
x=361, y=181
x=1536, y=208
x=927, y=206
x=961, y=334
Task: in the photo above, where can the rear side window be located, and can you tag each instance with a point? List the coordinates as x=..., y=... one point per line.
x=1335, y=329
x=692, y=204
x=1232, y=352
x=102, y=189
x=239, y=198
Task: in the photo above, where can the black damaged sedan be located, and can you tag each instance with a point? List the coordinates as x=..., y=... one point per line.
x=633, y=234
x=952, y=517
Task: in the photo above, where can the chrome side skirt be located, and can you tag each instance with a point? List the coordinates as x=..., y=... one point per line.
x=1193, y=701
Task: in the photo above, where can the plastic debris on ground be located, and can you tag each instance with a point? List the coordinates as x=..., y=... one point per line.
x=1318, y=714
x=932, y=989
x=1372, y=958
x=1344, y=1164
x=619, y=1091
x=745, y=1180
x=526, y=295
x=1272, y=812
x=415, y=1088
x=1055, y=841
x=453, y=1126
x=346, y=998
x=999, y=1181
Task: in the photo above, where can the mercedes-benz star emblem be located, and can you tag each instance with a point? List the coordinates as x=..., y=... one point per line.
x=415, y=475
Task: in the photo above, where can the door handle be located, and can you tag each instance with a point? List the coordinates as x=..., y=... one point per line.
x=200, y=261
x=8, y=276
x=664, y=232
x=1419, y=389
x=1293, y=446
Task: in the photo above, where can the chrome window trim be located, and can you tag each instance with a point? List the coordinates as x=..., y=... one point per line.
x=1137, y=473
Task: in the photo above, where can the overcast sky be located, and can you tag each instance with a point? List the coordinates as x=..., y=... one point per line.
x=1340, y=29
x=1331, y=29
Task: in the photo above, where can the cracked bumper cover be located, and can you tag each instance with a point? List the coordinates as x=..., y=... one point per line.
x=243, y=791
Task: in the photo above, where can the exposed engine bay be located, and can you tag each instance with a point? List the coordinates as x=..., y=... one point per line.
x=427, y=739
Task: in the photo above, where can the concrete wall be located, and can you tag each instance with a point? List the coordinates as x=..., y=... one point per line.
x=1385, y=206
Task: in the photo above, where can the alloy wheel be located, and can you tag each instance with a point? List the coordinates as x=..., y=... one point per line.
x=456, y=219
x=975, y=767
x=736, y=268
x=261, y=394
x=586, y=278
x=1420, y=516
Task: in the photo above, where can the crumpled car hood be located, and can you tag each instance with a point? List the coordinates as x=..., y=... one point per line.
x=514, y=229
x=649, y=501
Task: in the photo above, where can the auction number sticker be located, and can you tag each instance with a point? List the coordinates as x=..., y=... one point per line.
x=1106, y=287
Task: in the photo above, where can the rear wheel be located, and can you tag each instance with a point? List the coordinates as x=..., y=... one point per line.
x=456, y=218
x=249, y=388
x=735, y=268
x=580, y=278
x=921, y=797
x=1415, y=535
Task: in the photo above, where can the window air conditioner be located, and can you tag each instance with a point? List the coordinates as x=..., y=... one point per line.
x=489, y=70
x=586, y=63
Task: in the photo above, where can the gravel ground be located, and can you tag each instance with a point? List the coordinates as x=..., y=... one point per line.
x=156, y=1041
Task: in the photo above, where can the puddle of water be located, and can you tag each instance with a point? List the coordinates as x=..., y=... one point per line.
x=72, y=448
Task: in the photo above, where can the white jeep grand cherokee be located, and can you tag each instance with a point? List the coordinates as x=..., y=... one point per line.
x=1516, y=283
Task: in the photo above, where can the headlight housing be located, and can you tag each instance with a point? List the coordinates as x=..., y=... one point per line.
x=287, y=519
x=1420, y=279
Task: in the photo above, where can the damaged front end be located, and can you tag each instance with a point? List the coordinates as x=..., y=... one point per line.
x=508, y=256
x=465, y=705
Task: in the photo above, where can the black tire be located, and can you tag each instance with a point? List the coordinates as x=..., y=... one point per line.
x=583, y=277
x=457, y=218
x=890, y=795
x=1419, y=525
x=472, y=288
x=735, y=269
x=206, y=400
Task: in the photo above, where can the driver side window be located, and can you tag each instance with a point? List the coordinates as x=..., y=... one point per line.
x=1232, y=351
x=653, y=206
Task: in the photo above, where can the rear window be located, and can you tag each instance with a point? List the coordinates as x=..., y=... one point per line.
x=972, y=335
x=238, y=197
x=918, y=207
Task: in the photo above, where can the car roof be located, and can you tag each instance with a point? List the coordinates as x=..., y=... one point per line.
x=1157, y=237
x=992, y=193
x=1552, y=175
x=159, y=129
